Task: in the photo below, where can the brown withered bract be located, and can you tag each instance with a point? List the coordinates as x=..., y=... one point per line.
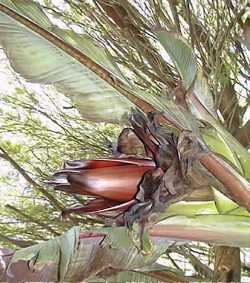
x=113, y=183
x=128, y=143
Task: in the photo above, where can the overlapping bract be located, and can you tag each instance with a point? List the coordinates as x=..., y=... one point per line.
x=144, y=176
x=112, y=182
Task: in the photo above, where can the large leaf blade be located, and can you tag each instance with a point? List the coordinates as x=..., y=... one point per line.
x=87, y=252
x=94, y=252
x=181, y=54
x=29, y=9
x=38, y=60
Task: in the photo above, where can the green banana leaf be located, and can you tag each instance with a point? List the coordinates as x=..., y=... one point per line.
x=181, y=55
x=93, y=252
x=39, y=60
x=89, y=252
x=139, y=276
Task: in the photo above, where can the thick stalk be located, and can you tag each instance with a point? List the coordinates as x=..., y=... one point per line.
x=211, y=236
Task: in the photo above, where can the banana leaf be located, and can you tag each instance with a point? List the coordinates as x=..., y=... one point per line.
x=48, y=61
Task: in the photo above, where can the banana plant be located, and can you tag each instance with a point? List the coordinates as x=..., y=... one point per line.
x=81, y=69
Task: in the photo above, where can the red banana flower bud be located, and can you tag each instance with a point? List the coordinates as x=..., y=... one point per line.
x=113, y=182
x=128, y=184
